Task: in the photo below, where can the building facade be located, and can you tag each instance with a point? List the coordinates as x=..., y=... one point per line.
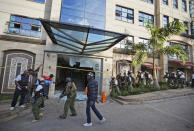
x=24, y=42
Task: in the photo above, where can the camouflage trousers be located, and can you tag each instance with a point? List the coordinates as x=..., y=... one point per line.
x=130, y=87
x=70, y=102
x=115, y=91
x=36, y=108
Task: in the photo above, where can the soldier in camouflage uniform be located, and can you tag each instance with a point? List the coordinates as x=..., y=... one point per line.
x=114, y=87
x=38, y=99
x=70, y=92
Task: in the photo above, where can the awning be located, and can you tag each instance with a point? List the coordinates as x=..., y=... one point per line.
x=181, y=63
x=81, y=39
x=148, y=65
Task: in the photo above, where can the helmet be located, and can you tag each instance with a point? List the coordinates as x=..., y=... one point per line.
x=91, y=74
x=68, y=79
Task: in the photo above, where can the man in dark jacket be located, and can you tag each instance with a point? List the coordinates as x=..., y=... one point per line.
x=92, y=98
x=22, y=85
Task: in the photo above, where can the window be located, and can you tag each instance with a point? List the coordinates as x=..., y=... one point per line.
x=165, y=20
x=175, y=4
x=40, y=1
x=149, y=1
x=165, y=2
x=192, y=28
x=144, y=18
x=124, y=14
x=184, y=5
x=123, y=43
x=186, y=31
x=145, y=42
x=176, y=19
x=84, y=12
x=186, y=48
x=24, y=26
x=190, y=8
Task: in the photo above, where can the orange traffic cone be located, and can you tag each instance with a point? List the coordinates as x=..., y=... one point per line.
x=86, y=90
x=103, y=99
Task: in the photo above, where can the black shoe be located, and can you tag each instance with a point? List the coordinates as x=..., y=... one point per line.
x=73, y=115
x=62, y=117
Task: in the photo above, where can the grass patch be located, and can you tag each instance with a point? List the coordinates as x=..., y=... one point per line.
x=137, y=90
x=6, y=97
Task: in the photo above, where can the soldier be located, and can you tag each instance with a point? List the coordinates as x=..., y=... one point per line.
x=38, y=100
x=178, y=79
x=33, y=78
x=70, y=92
x=182, y=79
x=150, y=80
x=22, y=85
x=130, y=81
x=124, y=81
x=118, y=77
x=139, y=77
x=147, y=78
x=173, y=77
x=114, y=86
x=167, y=77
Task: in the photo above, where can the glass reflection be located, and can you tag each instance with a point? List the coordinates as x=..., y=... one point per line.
x=84, y=12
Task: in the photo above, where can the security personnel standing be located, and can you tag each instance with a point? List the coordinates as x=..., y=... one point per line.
x=22, y=85
x=70, y=92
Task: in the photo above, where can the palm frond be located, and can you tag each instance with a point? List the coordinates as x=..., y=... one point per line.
x=177, y=50
x=139, y=58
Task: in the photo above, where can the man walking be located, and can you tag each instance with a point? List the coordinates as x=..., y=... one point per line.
x=22, y=84
x=92, y=98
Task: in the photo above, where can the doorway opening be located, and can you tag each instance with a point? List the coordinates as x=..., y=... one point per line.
x=77, y=68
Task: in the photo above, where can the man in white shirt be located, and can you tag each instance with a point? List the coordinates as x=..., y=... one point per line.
x=22, y=84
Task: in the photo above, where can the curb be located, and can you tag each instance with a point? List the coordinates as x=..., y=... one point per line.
x=136, y=101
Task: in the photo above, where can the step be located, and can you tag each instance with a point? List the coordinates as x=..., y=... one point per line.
x=128, y=103
x=127, y=99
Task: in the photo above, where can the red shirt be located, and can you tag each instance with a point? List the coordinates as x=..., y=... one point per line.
x=47, y=78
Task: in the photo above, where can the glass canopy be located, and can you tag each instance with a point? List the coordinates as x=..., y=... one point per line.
x=81, y=39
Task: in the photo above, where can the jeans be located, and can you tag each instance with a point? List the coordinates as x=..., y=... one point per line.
x=95, y=111
x=16, y=95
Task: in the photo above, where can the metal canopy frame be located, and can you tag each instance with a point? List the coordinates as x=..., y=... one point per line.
x=81, y=39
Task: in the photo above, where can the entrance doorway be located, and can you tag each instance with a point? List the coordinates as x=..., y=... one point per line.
x=77, y=68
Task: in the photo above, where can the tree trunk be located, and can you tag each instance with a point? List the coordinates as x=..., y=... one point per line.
x=155, y=79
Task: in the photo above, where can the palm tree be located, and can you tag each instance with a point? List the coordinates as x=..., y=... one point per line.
x=156, y=47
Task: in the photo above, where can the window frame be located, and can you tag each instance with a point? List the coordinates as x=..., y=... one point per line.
x=22, y=23
x=175, y=4
x=38, y=1
x=186, y=32
x=143, y=18
x=129, y=16
x=122, y=43
x=165, y=16
x=184, y=5
x=149, y=1
x=165, y=2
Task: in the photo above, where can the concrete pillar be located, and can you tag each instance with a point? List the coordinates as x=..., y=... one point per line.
x=107, y=73
x=50, y=64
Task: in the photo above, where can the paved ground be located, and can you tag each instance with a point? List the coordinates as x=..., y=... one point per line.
x=173, y=114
